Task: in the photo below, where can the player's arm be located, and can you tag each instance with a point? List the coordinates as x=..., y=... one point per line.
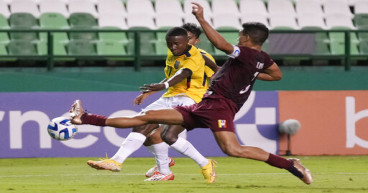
x=178, y=77
x=144, y=94
x=210, y=63
x=271, y=73
x=216, y=39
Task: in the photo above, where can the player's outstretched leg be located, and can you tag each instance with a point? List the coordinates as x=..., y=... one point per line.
x=78, y=116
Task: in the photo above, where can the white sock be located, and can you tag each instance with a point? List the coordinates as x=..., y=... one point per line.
x=131, y=144
x=184, y=147
x=161, y=153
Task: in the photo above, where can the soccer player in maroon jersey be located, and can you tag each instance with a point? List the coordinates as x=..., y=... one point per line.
x=230, y=88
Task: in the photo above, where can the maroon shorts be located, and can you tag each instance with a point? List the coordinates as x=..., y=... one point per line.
x=214, y=112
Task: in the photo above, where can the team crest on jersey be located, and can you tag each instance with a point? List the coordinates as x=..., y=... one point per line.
x=176, y=65
x=222, y=123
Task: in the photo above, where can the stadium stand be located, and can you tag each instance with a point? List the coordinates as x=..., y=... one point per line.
x=281, y=7
x=4, y=10
x=82, y=6
x=189, y=17
x=333, y=7
x=161, y=7
x=55, y=6
x=111, y=7
x=154, y=15
x=165, y=20
x=140, y=7
x=309, y=7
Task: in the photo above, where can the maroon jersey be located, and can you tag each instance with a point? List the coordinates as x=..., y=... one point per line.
x=236, y=77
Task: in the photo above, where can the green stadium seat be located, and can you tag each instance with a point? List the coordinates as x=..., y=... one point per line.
x=322, y=48
x=363, y=47
x=82, y=21
x=4, y=38
x=205, y=44
x=59, y=48
x=3, y=51
x=53, y=21
x=110, y=48
x=147, y=40
x=22, y=47
x=81, y=47
x=112, y=43
x=361, y=21
x=113, y=36
x=363, y=35
x=337, y=43
x=60, y=39
x=23, y=21
x=160, y=44
x=322, y=42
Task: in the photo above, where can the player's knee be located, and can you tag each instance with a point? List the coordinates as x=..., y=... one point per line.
x=156, y=138
x=169, y=138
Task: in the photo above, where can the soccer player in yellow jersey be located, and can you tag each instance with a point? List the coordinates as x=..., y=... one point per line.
x=154, y=143
x=186, y=81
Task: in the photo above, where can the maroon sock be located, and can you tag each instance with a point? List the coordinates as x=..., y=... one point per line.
x=92, y=119
x=280, y=162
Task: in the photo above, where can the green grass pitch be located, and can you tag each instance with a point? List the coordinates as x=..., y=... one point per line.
x=338, y=174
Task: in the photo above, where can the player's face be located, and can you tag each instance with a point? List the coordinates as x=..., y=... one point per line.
x=193, y=40
x=177, y=44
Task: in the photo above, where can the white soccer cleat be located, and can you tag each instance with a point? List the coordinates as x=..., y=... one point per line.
x=305, y=174
x=76, y=112
x=105, y=164
x=157, y=176
x=154, y=169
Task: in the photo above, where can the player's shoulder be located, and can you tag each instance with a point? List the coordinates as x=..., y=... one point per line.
x=193, y=51
x=208, y=55
x=248, y=50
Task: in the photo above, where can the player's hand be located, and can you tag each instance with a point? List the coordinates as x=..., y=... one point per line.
x=152, y=87
x=197, y=10
x=140, y=98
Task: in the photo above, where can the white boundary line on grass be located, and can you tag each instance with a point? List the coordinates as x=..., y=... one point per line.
x=139, y=174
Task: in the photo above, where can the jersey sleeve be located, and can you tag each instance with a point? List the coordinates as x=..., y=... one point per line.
x=207, y=70
x=268, y=60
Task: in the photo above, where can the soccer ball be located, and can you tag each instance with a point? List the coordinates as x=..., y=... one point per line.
x=61, y=129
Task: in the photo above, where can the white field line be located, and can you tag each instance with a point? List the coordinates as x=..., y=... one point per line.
x=184, y=174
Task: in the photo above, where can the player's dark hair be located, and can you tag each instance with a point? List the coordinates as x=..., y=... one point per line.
x=257, y=32
x=192, y=28
x=177, y=31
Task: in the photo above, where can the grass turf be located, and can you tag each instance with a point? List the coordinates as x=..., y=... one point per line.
x=40, y=175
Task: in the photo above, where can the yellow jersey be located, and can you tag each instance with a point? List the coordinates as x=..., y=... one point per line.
x=193, y=86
